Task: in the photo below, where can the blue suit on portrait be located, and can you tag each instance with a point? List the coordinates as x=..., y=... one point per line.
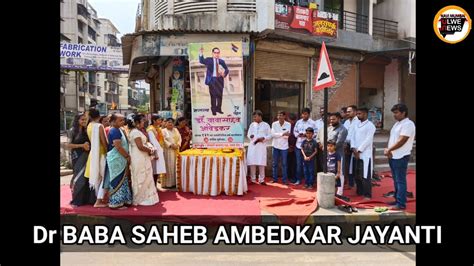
x=214, y=81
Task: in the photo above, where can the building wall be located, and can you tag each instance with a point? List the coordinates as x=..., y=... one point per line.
x=350, y=5
x=69, y=14
x=218, y=20
x=391, y=92
x=342, y=94
x=266, y=15
x=371, y=85
x=70, y=92
x=408, y=89
x=345, y=94
x=402, y=11
x=123, y=88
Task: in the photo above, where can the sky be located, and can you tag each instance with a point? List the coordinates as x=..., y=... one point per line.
x=122, y=13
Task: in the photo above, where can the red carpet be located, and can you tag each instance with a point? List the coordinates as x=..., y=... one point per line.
x=292, y=204
x=178, y=207
x=386, y=185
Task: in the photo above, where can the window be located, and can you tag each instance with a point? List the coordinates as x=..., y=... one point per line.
x=82, y=101
x=92, y=77
x=92, y=34
x=79, y=40
x=80, y=26
x=274, y=96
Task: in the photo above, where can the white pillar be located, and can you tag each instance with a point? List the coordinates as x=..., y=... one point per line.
x=221, y=13
x=391, y=92
x=170, y=6
x=371, y=16
x=326, y=190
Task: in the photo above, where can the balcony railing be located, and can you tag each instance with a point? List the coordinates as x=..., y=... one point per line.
x=82, y=10
x=351, y=21
x=242, y=5
x=385, y=28
x=199, y=6
x=355, y=22
x=190, y=6
x=161, y=8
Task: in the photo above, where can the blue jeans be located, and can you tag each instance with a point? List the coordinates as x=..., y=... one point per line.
x=277, y=153
x=308, y=167
x=399, y=174
x=299, y=164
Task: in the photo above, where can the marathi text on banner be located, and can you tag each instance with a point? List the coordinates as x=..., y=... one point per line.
x=306, y=20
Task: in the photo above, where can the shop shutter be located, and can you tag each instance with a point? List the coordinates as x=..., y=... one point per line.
x=281, y=66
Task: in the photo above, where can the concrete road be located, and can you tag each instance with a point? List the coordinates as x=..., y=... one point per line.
x=244, y=258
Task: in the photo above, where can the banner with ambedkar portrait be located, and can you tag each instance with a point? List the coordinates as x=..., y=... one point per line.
x=217, y=94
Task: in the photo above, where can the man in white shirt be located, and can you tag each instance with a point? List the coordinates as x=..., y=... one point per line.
x=361, y=145
x=259, y=133
x=300, y=134
x=351, y=121
x=280, y=132
x=398, y=152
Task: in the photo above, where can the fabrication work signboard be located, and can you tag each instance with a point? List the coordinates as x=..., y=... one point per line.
x=91, y=57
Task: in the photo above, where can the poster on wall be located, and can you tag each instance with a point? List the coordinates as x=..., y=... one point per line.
x=177, y=84
x=306, y=20
x=217, y=94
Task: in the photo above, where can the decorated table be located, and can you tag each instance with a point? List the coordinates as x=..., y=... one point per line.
x=212, y=171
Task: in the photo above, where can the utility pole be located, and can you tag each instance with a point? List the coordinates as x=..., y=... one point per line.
x=77, y=91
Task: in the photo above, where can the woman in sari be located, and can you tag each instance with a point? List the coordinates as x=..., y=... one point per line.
x=185, y=132
x=172, y=144
x=155, y=135
x=118, y=160
x=95, y=167
x=144, y=190
x=79, y=145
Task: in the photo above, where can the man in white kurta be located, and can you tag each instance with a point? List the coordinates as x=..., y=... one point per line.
x=361, y=146
x=259, y=133
x=349, y=124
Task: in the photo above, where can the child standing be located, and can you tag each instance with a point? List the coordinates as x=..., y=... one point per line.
x=334, y=166
x=309, y=148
